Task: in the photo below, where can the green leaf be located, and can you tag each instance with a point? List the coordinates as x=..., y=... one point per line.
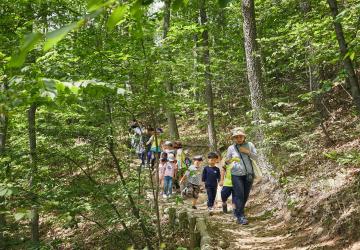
x=19, y=216
x=352, y=56
x=116, y=16
x=177, y=4
x=146, y=2
x=223, y=3
x=94, y=5
x=136, y=10
x=55, y=36
x=28, y=44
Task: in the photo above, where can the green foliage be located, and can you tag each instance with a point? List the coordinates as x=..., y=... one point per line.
x=117, y=16
x=104, y=53
x=28, y=44
x=52, y=38
x=344, y=158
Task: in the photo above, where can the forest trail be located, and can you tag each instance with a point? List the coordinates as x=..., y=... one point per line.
x=269, y=227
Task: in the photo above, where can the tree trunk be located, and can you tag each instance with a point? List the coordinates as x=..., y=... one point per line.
x=208, y=92
x=252, y=59
x=3, y=137
x=35, y=235
x=354, y=84
x=111, y=148
x=173, y=128
x=254, y=76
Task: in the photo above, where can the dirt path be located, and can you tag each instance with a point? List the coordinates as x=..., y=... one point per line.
x=268, y=228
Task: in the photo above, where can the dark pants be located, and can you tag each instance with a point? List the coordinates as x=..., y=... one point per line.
x=148, y=158
x=142, y=158
x=241, y=188
x=211, y=193
x=226, y=192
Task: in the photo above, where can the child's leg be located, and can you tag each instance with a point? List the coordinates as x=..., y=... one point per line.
x=196, y=190
x=148, y=157
x=166, y=185
x=213, y=193
x=143, y=158
x=225, y=193
x=170, y=185
x=208, y=192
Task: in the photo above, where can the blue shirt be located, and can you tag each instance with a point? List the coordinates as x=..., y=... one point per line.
x=211, y=176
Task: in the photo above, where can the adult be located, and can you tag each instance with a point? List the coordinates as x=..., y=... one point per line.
x=155, y=143
x=240, y=155
x=137, y=141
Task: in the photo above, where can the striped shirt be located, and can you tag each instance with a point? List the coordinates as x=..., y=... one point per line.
x=194, y=175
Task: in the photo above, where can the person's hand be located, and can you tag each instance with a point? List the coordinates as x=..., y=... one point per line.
x=221, y=183
x=244, y=150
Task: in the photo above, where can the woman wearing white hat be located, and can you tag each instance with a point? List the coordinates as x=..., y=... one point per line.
x=240, y=155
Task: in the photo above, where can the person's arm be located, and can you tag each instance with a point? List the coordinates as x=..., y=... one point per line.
x=251, y=151
x=185, y=176
x=150, y=140
x=218, y=175
x=204, y=175
x=175, y=170
x=228, y=155
x=223, y=173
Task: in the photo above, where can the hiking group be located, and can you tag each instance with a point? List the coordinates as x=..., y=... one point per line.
x=188, y=175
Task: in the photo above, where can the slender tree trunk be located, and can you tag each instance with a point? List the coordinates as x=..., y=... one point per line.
x=354, y=84
x=206, y=62
x=197, y=95
x=3, y=137
x=254, y=76
x=111, y=147
x=173, y=128
x=157, y=191
x=35, y=235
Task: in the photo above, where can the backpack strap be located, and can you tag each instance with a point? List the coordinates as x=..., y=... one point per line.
x=238, y=151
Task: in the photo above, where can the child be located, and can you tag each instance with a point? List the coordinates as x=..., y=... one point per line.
x=193, y=174
x=211, y=177
x=159, y=180
x=187, y=160
x=168, y=147
x=168, y=173
x=227, y=187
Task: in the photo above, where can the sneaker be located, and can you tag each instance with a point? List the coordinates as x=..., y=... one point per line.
x=224, y=208
x=169, y=196
x=242, y=220
x=164, y=196
x=194, y=207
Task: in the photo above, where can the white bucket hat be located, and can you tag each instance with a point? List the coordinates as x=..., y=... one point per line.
x=238, y=131
x=171, y=157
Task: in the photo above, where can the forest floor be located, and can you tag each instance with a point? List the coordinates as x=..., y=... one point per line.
x=315, y=205
x=269, y=228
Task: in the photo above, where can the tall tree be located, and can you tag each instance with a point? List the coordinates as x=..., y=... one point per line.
x=254, y=72
x=173, y=128
x=3, y=135
x=207, y=74
x=35, y=234
x=348, y=65
x=252, y=60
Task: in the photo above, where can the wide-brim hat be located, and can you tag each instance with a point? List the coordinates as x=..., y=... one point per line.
x=238, y=131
